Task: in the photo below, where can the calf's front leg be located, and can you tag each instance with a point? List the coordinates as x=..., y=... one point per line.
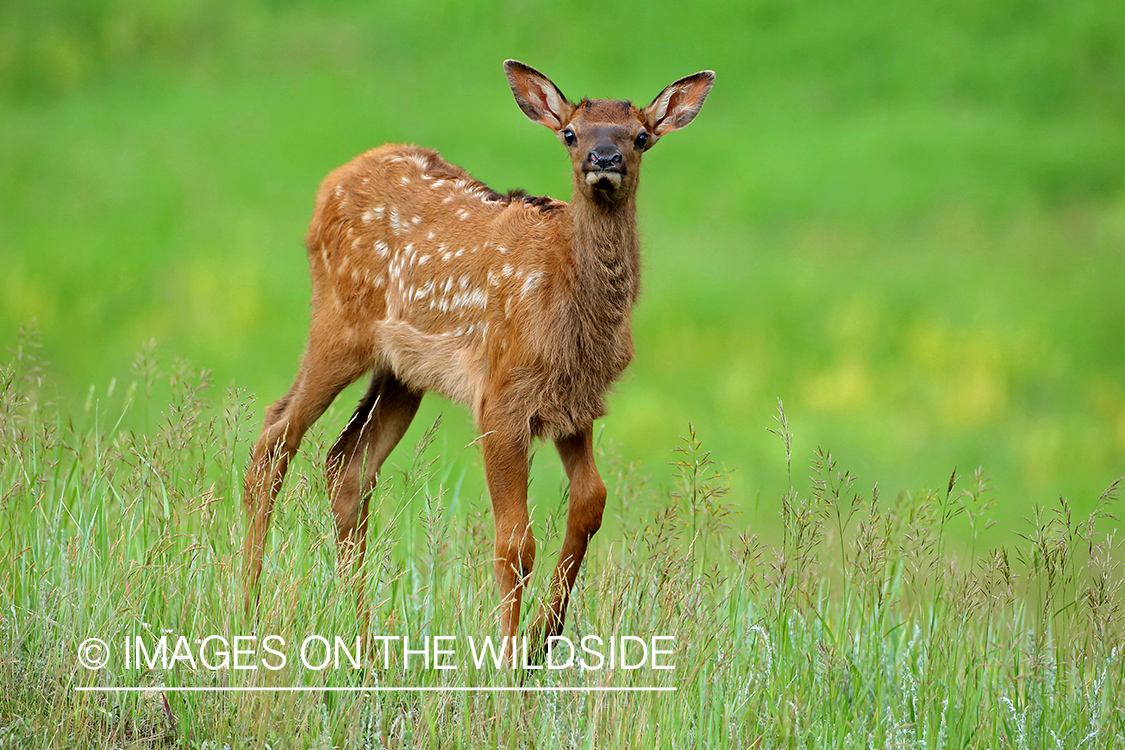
x=505, y=451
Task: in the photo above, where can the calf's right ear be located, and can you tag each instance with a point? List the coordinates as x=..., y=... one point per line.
x=539, y=99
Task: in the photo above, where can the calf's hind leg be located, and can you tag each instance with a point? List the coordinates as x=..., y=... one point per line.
x=381, y=419
x=323, y=374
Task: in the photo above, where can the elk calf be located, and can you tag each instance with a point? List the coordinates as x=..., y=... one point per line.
x=516, y=306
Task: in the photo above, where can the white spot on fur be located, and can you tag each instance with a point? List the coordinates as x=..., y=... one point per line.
x=531, y=282
x=424, y=291
x=381, y=248
x=396, y=222
x=430, y=235
x=476, y=298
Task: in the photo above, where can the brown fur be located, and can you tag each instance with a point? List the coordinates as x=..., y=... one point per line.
x=516, y=306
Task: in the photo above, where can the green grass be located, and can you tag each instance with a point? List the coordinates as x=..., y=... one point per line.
x=860, y=628
x=904, y=222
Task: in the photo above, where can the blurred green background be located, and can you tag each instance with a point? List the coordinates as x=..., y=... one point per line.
x=906, y=220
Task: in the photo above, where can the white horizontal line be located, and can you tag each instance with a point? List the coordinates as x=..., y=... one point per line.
x=379, y=689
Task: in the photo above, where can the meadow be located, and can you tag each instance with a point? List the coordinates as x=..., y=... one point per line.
x=860, y=628
x=906, y=224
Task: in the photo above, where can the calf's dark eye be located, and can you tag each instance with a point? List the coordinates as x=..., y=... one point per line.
x=570, y=137
x=641, y=141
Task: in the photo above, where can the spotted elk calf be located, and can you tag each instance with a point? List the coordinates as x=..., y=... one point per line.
x=516, y=306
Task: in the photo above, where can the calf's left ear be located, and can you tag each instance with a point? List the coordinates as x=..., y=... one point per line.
x=678, y=104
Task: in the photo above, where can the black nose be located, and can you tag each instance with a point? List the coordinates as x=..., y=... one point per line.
x=604, y=157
